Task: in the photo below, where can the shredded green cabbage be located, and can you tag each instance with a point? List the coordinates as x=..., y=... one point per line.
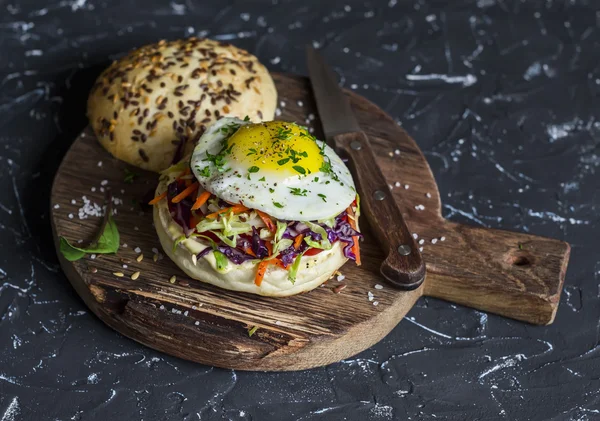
x=177, y=241
x=330, y=222
x=324, y=244
x=221, y=259
x=280, y=243
x=294, y=269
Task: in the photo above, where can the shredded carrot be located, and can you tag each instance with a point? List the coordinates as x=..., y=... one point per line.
x=260, y=273
x=201, y=200
x=233, y=209
x=249, y=251
x=267, y=220
x=158, y=198
x=355, y=247
x=185, y=193
x=269, y=247
x=298, y=241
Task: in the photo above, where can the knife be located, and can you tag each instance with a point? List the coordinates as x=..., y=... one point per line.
x=403, y=266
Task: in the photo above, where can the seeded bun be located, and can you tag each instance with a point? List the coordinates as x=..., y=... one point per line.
x=150, y=107
x=313, y=270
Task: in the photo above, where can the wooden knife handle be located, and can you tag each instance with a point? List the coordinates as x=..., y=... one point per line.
x=403, y=267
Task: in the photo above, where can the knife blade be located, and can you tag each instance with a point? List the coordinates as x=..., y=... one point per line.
x=403, y=265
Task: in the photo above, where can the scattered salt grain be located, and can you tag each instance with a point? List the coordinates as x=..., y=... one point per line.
x=70, y=216
x=340, y=277
x=196, y=322
x=277, y=112
x=102, y=189
x=275, y=60
x=137, y=250
x=277, y=322
x=104, y=182
x=93, y=256
x=122, y=191
x=391, y=186
x=391, y=154
x=434, y=240
x=370, y=295
x=136, y=229
x=397, y=152
x=93, y=189
x=185, y=313
x=124, y=245
x=415, y=235
x=282, y=104
x=428, y=195
x=154, y=250
x=73, y=201
x=300, y=103
x=124, y=266
x=375, y=303
x=99, y=163
x=420, y=207
x=194, y=308
x=406, y=186
x=377, y=286
x=311, y=116
x=420, y=248
x=56, y=206
x=162, y=307
x=398, y=184
x=79, y=241
x=421, y=241
x=442, y=238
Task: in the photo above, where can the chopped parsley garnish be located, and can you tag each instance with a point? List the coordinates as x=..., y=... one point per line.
x=129, y=176
x=299, y=169
x=271, y=190
x=283, y=161
x=283, y=134
x=253, y=169
x=296, y=191
x=277, y=204
x=327, y=169
x=262, y=179
x=229, y=129
x=246, y=118
x=316, y=179
x=322, y=196
x=204, y=172
x=252, y=151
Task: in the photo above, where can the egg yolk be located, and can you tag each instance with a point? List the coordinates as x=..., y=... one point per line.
x=276, y=146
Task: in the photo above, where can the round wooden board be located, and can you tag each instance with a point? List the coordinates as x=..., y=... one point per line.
x=202, y=323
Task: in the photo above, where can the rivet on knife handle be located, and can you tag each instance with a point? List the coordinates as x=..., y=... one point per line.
x=403, y=266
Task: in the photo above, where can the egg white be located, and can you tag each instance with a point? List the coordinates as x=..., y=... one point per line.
x=325, y=198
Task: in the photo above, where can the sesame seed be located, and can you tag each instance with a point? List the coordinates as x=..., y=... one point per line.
x=173, y=279
x=377, y=286
x=155, y=258
x=135, y=275
x=194, y=259
x=442, y=238
x=140, y=258
x=119, y=274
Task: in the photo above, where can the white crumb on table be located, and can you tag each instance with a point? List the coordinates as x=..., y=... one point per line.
x=378, y=286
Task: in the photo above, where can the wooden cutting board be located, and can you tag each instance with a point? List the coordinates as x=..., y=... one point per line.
x=511, y=274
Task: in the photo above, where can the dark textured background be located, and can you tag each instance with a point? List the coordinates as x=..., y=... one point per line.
x=502, y=97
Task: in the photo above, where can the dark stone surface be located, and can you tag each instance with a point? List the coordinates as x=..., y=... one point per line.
x=502, y=97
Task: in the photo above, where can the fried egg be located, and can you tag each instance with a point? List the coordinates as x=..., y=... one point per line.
x=276, y=167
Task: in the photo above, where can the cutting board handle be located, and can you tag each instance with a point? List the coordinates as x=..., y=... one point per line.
x=507, y=273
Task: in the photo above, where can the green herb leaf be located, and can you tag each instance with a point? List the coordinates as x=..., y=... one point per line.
x=253, y=169
x=252, y=331
x=299, y=169
x=271, y=190
x=520, y=246
x=130, y=176
x=277, y=204
x=246, y=119
x=108, y=242
x=283, y=161
x=262, y=179
x=252, y=151
x=204, y=172
x=296, y=191
x=322, y=196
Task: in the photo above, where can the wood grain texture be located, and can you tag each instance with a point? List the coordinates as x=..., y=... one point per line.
x=482, y=268
x=404, y=271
